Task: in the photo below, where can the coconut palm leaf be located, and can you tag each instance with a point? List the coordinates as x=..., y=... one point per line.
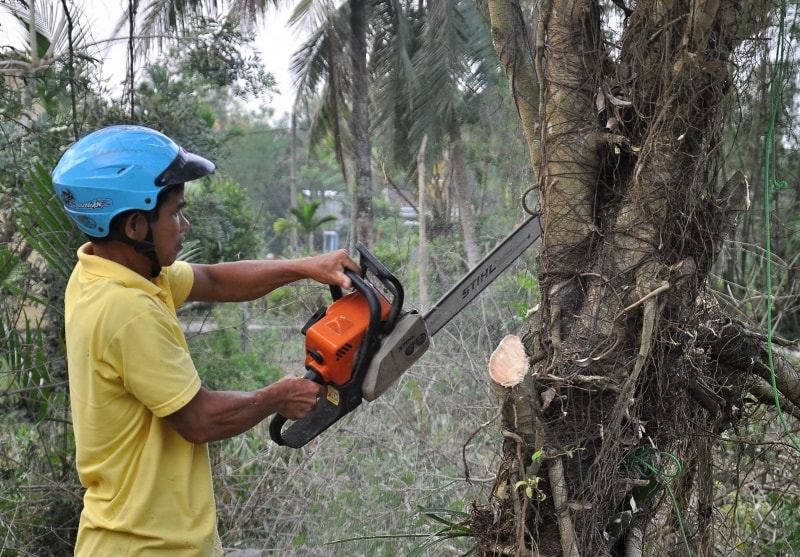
x=323, y=73
x=50, y=30
x=451, y=65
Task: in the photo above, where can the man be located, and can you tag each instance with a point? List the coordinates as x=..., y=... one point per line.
x=141, y=416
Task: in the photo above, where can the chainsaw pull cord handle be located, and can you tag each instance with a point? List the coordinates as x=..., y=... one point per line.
x=363, y=358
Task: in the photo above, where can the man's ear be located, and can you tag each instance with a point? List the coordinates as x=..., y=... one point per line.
x=136, y=226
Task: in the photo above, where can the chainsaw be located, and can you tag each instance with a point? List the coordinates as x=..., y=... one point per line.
x=359, y=345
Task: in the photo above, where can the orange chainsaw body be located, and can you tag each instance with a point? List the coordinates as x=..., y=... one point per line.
x=333, y=341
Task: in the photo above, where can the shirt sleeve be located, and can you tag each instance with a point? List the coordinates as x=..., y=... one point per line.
x=180, y=278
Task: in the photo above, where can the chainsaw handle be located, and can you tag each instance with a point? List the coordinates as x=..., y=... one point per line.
x=372, y=264
x=369, y=346
x=279, y=420
x=336, y=290
x=349, y=395
x=276, y=429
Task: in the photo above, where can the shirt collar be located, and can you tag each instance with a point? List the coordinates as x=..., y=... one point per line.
x=102, y=267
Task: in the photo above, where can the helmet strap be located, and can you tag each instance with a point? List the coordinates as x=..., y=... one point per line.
x=146, y=246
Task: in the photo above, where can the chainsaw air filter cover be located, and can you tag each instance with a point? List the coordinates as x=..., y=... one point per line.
x=332, y=342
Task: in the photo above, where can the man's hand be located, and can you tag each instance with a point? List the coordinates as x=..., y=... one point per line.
x=239, y=281
x=329, y=268
x=216, y=415
x=298, y=396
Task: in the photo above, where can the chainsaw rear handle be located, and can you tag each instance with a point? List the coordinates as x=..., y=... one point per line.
x=279, y=420
x=337, y=401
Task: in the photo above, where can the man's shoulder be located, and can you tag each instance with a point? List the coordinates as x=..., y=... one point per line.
x=178, y=270
x=180, y=278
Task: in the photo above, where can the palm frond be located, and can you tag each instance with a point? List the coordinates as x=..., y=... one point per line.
x=49, y=26
x=44, y=224
x=455, y=39
x=321, y=72
x=191, y=252
x=396, y=80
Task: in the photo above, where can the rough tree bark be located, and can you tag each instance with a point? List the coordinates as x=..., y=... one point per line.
x=632, y=363
x=363, y=170
x=465, y=213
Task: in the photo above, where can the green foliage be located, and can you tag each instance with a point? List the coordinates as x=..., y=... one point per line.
x=305, y=220
x=237, y=354
x=39, y=493
x=773, y=523
x=40, y=498
x=449, y=530
x=528, y=289
x=530, y=485
x=221, y=221
x=754, y=485
x=257, y=157
x=177, y=107
x=222, y=54
x=183, y=92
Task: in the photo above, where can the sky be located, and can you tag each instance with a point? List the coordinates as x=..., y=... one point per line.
x=275, y=41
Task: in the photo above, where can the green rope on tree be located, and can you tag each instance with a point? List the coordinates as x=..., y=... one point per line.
x=774, y=103
x=645, y=461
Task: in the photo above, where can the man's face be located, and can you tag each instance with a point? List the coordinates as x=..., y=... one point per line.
x=170, y=227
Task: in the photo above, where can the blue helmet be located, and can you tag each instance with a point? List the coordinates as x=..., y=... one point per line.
x=120, y=168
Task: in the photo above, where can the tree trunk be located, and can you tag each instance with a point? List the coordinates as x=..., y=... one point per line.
x=363, y=171
x=465, y=214
x=293, y=239
x=629, y=365
x=422, y=256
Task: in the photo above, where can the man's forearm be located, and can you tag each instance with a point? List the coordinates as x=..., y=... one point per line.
x=247, y=280
x=241, y=281
x=217, y=415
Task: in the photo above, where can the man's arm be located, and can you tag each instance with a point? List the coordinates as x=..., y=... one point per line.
x=216, y=415
x=240, y=281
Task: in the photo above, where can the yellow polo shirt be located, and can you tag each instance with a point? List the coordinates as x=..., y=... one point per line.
x=148, y=490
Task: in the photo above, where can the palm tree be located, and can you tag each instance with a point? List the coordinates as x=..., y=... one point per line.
x=645, y=370
x=424, y=65
x=306, y=221
x=452, y=67
x=52, y=33
x=337, y=50
x=332, y=67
